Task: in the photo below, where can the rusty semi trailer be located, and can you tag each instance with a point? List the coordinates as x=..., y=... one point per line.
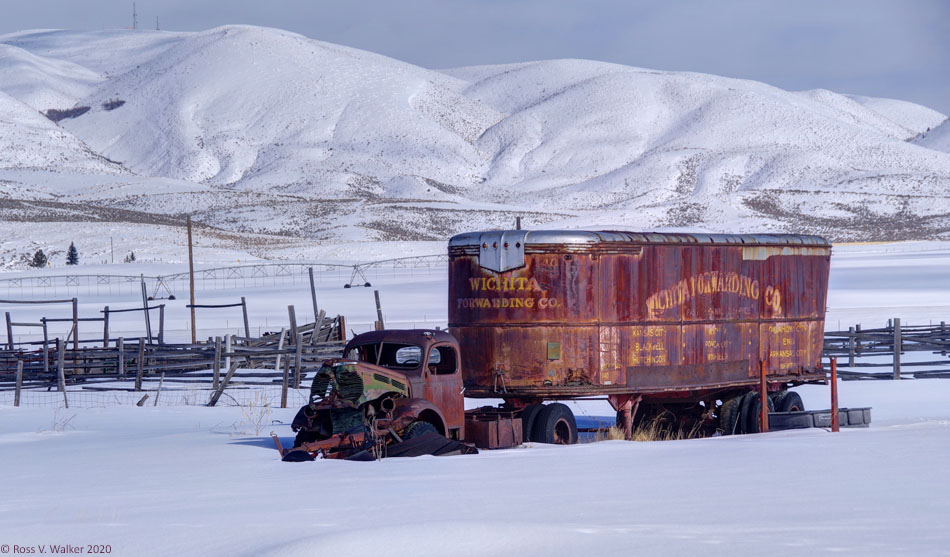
x=658, y=322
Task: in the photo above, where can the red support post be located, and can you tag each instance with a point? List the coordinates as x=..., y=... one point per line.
x=764, y=398
x=626, y=410
x=835, y=424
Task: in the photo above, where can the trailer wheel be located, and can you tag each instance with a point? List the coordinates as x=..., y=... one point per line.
x=751, y=412
x=790, y=402
x=418, y=429
x=777, y=398
x=555, y=424
x=729, y=415
x=528, y=417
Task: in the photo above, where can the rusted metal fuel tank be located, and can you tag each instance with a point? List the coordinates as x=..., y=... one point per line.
x=558, y=314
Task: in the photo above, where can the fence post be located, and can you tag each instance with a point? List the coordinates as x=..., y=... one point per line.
x=159, y=391
x=105, y=327
x=19, y=383
x=148, y=318
x=285, y=384
x=217, y=363
x=161, y=324
x=943, y=328
x=850, y=346
x=120, y=344
x=9, y=333
x=835, y=423
x=247, y=327
x=379, y=312
x=898, y=345
x=45, y=346
x=75, y=324
x=298, y=357
x=224, y=383
x=280, y=345
x=763, y=398
x=228, y=345
x=61, y=368
x=140, y=365
x=857, y=339
x=315, y=337
x=313, y=293
x=292, y=315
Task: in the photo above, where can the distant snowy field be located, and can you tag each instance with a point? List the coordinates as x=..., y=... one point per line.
x=201, y=481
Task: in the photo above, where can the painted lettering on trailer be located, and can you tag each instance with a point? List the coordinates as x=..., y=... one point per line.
x=714, y=282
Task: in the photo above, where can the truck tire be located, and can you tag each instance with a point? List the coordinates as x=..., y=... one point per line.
x=418, y=429
x=729, y=415
x=751, y=409
x=528, y=416
x=555, y=424
x=777, y=397
x=790, y=402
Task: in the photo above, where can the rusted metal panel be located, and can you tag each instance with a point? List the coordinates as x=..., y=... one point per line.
x=493, y=430
x=509, y=358
x=641, y=311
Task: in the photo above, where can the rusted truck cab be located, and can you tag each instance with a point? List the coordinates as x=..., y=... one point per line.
x=429, y=360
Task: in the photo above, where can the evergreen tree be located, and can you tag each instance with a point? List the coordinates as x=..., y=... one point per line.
x=72, y=255
x=39, y=259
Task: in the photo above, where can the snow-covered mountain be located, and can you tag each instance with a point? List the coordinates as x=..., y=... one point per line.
x=277, y=143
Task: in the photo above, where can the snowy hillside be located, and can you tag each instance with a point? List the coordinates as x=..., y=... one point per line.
x=937, y=138
x=261, y=133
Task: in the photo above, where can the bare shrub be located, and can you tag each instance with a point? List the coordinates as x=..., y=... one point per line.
x=255, y=415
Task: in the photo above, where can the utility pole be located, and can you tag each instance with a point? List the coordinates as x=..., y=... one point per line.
x=157, y=28
x=191, y=282
x=135, y=17
x=112, y=248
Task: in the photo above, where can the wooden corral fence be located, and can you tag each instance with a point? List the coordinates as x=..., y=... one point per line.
x=892, y=340
x=222, y=362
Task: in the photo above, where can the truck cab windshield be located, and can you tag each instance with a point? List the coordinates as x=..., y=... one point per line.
x=392, y=355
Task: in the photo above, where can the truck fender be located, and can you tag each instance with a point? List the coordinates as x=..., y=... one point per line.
x=409, y=410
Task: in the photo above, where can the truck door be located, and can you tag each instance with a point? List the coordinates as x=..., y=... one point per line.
x=443, y=384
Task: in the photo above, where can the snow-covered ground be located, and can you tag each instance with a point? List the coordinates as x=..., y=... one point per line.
x=197, y=481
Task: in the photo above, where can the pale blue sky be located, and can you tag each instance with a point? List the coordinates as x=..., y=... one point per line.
x=884, y=48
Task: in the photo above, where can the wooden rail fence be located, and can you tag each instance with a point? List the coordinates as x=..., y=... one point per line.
x=893, y=340
x=222, y=362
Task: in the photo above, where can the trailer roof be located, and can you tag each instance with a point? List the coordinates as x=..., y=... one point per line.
x=615, y=236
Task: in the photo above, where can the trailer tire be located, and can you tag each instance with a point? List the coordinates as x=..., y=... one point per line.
x=751, y=409
x=790, y=402
x=418, y=429
x=729, y=415
x=528, y=417
x=555, y=424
